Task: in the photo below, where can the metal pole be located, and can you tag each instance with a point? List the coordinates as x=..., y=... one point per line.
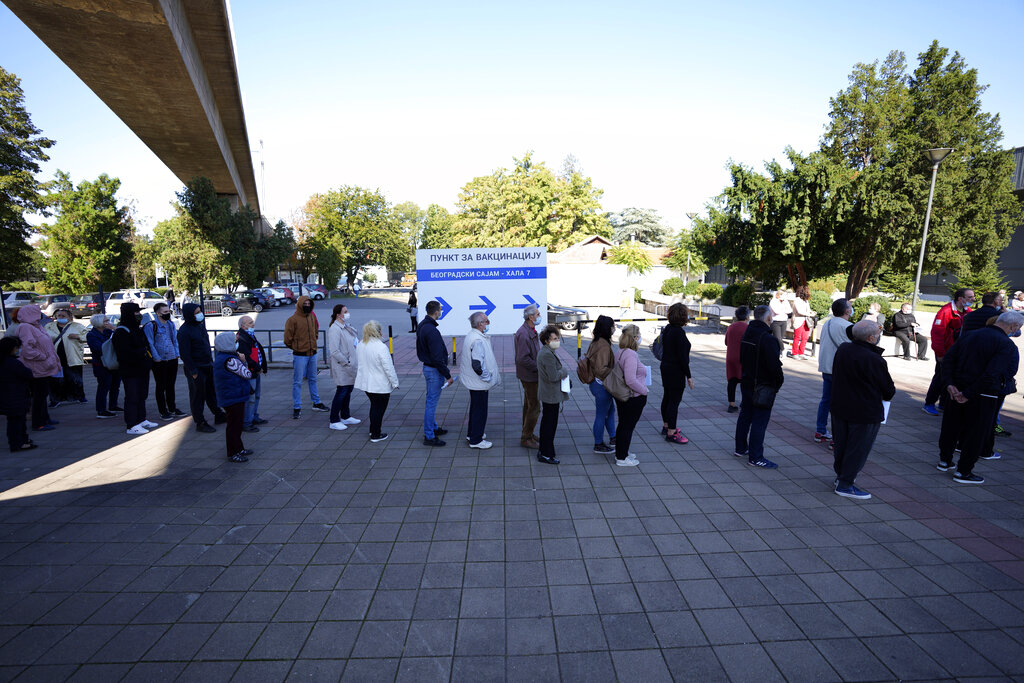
x=391, y=342
x=579, y=342
x=924, y=238
x=3, y=311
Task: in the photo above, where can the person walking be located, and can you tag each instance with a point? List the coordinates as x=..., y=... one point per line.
x=15, y=394
x=906, y=329
x=68, y=338
x=39, y=356
x=860, y=383
x=231, y=379
x=526, y=346
x=302, y=336
x=977, y=373
x=550, y=373
x=134, y=363
x=162, y=336
x=675, y=371
x=194, y=346
x=802, y=319
x=733, y=370
x=834, y=332
x=375, y=375
x=781, y=311
x=478, y=369
x=430, y=351
x=342, y=339
x=635, y=375
x=172, y=303
x=256, y=359
x=108, y=382
x=945, y=331
x=412, y=309
x=761, y=359
x=601, y=359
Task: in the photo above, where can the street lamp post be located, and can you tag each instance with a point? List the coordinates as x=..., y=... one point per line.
x=935, y=156
x=686, y=278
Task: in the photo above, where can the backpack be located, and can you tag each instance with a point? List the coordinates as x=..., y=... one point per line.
x=583, y=370
x=108, y=355
x=658, y=347
x=615, y=383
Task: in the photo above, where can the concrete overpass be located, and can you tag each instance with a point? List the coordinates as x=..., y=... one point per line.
x=167, y=69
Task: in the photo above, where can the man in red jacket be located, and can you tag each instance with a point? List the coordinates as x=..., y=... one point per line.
x=945, y=331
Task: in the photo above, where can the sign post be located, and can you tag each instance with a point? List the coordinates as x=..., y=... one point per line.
x=501, y=282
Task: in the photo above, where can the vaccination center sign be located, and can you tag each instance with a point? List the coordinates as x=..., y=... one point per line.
x=499, y=282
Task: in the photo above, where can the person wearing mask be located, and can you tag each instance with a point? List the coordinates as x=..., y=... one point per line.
x=162, y=336
x=12, y=329
x=412, y=310
x=15, y=394
x=39, y=356
x=761, y=359
x=108, y=382
x=601, y=358
x=802, y=321
x=194, y=346
x=134, y=363
x=860, y=382
x=342, y=339
x=876, y=316
x=675, y=371
x=478, y=369
x=256, y=358
x=550, y=373
x=526, y=345
x=231, y=378
x=375, y=375
x=635, y=375
x=781, y=310
x=733, y=370
x=430, y=351
x=69, y=341
x=834, y=332
x=302, y=336
x=906, y=329
x=945, y=331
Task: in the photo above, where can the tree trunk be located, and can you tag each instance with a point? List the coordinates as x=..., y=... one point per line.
x=802, y=273
x=860, y=271
x=789, y=271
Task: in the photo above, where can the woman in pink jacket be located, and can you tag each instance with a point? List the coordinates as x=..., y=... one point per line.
x=629, y=411
x=39, y=356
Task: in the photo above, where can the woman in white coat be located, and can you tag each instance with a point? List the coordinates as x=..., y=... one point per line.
x=341, y=346
x=376, y=376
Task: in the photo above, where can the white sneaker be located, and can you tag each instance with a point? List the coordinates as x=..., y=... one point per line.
x=351, y=421
x=632, y=457
x=137, y=430
x=483, y=444
x=148, y=425
x=628, y=462
x=340, y=426
x=482, y=437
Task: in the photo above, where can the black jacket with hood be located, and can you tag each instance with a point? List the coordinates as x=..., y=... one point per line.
x=860, y=382
x=760, y=356
x=132, y=349
x=193, y=341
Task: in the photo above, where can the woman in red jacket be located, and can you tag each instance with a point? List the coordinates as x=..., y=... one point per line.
x=733, y=370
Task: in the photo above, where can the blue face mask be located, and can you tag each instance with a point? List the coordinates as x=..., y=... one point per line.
x=486, y=328
x=199, y=317
x=236, y=346
x=251, y=331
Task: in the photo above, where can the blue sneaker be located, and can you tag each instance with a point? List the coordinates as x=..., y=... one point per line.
x=852, y=492
x=930, y=409
x=762, y=463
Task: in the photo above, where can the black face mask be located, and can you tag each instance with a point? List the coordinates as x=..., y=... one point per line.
x=307, y=309
x=165, y=316
x=138, y=317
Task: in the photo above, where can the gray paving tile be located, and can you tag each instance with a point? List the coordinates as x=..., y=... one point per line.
x=330, y=640
x=431, y=638
x=640, y=665
x=377, y=669
x=480, y=637
x=580, y=633
x=478, y=668
x=747, y=662
x=426, y=669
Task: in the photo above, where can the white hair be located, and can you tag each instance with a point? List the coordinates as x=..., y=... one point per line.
x=529, y=311
x=97, y=320
x=476, y=317
x=1010, y=318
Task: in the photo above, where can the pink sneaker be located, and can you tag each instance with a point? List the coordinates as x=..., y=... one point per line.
x=677, y=438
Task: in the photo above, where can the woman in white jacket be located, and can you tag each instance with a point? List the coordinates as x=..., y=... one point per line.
x=376, y=376
x=341, y=346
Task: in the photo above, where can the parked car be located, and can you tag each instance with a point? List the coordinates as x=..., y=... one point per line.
x=146, y=299
x=268, y=293
x=555, y=312
x=316, y=292
x=18, y=299
x=283, y=295
x=50, y=303
x=85, y=305
x=250, y=301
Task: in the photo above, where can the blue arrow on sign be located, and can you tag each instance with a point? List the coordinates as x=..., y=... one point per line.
x=446, y=308
x=487, y=307
x=530, y=301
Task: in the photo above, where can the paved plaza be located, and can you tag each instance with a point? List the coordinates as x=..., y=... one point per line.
x=327, y=557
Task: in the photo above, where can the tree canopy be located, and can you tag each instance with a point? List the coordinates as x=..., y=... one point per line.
x=643, y=224
x=438, y=232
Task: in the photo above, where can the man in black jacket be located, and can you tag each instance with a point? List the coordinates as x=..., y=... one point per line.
x=249, y=347
x=431, y=351
x=991, y=307
x=134, y=362
x=860, y=382
x=906, y=328
x=977, y=372
x=760, y=358
x=194, y=348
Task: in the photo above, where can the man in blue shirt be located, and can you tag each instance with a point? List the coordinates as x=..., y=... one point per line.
x=162, y=336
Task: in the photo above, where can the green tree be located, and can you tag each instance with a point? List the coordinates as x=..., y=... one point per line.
x=186, y=254
x=438, y=231
x=22, y=149
x=411, y=221
x=143, y=261
x=633, y=256
x=90, y=242
x=272, y=250
x=686, y=258
x=643, y=224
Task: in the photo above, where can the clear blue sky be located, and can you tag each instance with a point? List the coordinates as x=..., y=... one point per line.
x=416, y=99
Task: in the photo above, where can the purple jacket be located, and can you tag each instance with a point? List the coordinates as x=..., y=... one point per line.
x=37, y=351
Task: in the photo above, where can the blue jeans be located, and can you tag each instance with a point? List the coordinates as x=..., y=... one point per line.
x=751, y=425
x=821, y=426
x=434, y=383
x=252, y=406
x=340, y=404
x=304, y=367
x=605, y=417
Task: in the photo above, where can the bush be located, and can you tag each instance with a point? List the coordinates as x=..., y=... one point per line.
x=821, y=303
x=828, y=284
x=691, y=288
x=860, y=308
x=759, y=299
x=710, y=291
x=638, y=296
x=673, y=285
x=738, y=293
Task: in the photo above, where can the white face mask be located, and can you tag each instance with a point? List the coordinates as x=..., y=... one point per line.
x=347, y=316
x=639, y=340
x=555, y=343
x=200, y=317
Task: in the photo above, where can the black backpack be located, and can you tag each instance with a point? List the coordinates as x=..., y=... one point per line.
x=658, y=347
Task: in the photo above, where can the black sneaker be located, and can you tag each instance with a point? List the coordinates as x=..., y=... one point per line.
x=945, y=466
x=601, y=448
x=433, y=442
x=238, y=457
x=382, y=436
x=611, y=441
x=178, y=413
x=968, y=478
x=260, y=421
x=320, y=408
x=251, y=428
x=105, y=415
x=247, y=451
x=116, y=409
x=732, y=409
x=547, y=459
x=440, y=431
x=206, y=428
x=166, y=416
x=296, y=412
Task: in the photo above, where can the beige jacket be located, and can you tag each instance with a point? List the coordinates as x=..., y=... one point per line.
x=73, y=348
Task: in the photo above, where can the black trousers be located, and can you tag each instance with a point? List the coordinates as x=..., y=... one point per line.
x=548, y=426
x=378, y=405
x=478, y=415
x=733, y=383
x=905, y=339
x=165, y=374
x=233, y=429
x=629, y=416
x=670, y=405
x=136, y=391
x=936, y=392
x=979, y=431
x=853, y=442
x=108, y=385
x=40, y=390
x=200, y=392
x=779, y=330
x=414, y=323
x=17, y=433
x=70, y=387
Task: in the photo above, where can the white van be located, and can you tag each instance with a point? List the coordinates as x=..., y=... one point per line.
x=145, y=298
